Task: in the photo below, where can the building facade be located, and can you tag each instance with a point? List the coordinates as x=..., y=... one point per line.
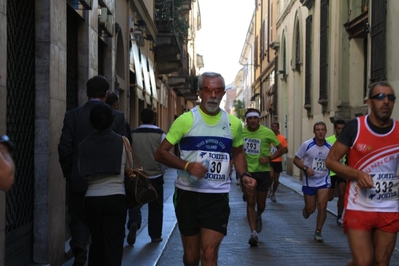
x=313, y=60
x=330, y=52
x=48, y=51
x=247, y=62
x=264, y=60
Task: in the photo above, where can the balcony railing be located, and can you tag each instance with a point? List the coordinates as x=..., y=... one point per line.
x=168, y=51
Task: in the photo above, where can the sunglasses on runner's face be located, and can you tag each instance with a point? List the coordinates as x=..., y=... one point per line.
x=218, y=91
x=381, y=97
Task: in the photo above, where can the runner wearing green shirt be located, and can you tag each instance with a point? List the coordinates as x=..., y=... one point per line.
x=336, y=180
x=257, y=140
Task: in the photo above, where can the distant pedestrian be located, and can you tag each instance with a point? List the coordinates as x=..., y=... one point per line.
x=311, y=159
x=113, y=101
x=75, y=129
x=276, y=165
x=336, y=180
x=7, y=167
x=206, y=136
x=102, y=160
x=145, y=141
x=371, y=142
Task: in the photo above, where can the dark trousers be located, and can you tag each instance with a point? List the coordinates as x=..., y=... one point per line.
x=106, y=216
x=155, y=211
x=80, y=235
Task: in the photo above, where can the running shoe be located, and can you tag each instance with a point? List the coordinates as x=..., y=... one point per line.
x=318, y=237
x=273, y=198
x=131, y=237
x=305, y=214
x=340, y=222
x=253, y=240
x=155, y=240
x=259, y=223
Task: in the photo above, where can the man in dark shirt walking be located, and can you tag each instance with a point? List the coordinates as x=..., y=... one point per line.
x=75, y=129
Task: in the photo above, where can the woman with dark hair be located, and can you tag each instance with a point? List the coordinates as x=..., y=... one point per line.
x=113, y=101
x=102, y=161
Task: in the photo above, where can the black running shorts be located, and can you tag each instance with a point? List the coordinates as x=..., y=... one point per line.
x=335, y=180
x=196, y=210
x=262, y=180
x=277, y=166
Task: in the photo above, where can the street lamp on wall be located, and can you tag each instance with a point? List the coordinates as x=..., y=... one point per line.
x=141, y=24
x=138, y=37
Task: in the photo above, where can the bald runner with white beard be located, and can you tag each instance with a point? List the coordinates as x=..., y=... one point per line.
x=206, y=136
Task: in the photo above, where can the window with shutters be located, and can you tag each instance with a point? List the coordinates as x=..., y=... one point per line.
x=284, y=58
x=323, y=52
x=270, y=32
x=378, y=40
x=266, y=34
x=262, y=37
x=276, y=84
x=256, y=52
x=308, y=63
x=297, y=47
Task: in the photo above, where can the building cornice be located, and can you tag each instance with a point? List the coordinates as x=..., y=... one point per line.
x=142, y=10
x=286, y=11
x=308, y=3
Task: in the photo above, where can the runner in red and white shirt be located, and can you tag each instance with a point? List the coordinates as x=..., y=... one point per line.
x=371, y=142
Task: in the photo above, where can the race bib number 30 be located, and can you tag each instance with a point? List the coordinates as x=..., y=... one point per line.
x=252, y=146
x=218, y=164
x=385, y=187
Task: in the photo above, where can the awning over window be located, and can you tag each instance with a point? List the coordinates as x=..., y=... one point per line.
x=164, y=95
x=135, y=66
x=146, y=75
x=153, y=81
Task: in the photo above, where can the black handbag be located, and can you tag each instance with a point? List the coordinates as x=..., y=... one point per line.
x=139, y=189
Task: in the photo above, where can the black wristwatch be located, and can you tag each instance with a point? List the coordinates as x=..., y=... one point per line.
x=246, y=173
x=305, y=168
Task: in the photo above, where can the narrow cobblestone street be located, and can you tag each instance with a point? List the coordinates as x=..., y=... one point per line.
x=286, y=239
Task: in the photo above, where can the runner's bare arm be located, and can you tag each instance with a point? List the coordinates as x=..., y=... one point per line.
x=333, y=163
x=165, y=157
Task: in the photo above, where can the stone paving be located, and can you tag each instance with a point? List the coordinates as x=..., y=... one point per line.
x=286, y=239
